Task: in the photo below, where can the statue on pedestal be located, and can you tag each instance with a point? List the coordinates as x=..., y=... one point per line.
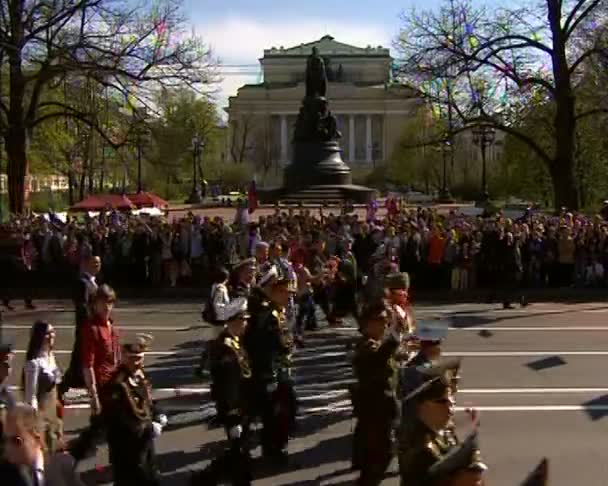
x=316, y=75
x=315, y=122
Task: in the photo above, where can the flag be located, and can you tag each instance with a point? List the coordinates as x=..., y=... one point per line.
x=252, y=198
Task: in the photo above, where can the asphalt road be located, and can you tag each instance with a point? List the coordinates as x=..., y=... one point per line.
x=536, y=374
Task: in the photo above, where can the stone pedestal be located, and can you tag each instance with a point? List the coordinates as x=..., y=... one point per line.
x=317, y=173
x=316, y=163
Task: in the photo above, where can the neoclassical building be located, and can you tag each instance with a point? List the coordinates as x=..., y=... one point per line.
x=370, y=109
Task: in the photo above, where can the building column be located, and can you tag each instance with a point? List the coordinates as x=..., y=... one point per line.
x=351, y=138
x=284, y=141
x=368, y=139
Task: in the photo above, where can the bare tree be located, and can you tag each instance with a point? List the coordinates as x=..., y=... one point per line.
x=239, y=140
x=128, y=47
x=507, y=61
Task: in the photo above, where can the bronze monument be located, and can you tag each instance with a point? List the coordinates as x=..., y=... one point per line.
x=317, y=172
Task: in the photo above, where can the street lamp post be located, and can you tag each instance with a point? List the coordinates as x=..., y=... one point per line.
x=140, y=187
x=445, y=195
x=140, y=134
x=198, y=144
x=483, y=137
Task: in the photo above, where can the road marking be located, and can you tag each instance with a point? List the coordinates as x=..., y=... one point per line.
x=511, y=354
x=180, y=354
x=151, y=328
x=495, y=408
x=197, y=327
x=523, y=391
x=299, y=358
x=531, y=328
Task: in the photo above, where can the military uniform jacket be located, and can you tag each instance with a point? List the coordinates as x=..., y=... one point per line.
x=267, y=340
x=128, y=411
x=419, y=449
x=231, y=375
x=375, y=369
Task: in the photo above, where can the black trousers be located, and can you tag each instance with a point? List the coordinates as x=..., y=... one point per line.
x=233, y=464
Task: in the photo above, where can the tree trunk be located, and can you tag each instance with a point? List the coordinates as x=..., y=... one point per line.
x=16, y=135
x=83, y=179
x=71, y=186
x=563, y=175
x=565, y=189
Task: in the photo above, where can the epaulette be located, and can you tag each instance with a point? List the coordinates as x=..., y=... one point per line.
x=434, y=448
x=232, y=343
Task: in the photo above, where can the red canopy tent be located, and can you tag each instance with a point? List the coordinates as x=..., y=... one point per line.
x=103, y=202
x=148, y=200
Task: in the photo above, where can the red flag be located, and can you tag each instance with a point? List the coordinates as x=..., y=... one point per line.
x=252, y=198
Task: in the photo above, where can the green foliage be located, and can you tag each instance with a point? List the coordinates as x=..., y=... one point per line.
x=236, y=176
x=170, y=156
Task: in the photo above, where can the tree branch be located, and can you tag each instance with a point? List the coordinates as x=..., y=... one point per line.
x=572, y=22
x=588, y=113
x=586, y=55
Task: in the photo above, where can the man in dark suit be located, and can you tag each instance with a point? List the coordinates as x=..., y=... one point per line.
x=27, y=464
x=85, y=289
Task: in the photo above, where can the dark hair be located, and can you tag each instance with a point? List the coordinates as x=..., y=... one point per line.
x=221, y=275
x=105, y=293
x=37, y=337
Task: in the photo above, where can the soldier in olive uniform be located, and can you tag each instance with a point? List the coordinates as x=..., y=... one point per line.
x=231, y=391
x=426, y=412
x=462, y=466
x=7, y=399
x=269, y=345
x=429, y=335
x=131, y=420
x=374, y=395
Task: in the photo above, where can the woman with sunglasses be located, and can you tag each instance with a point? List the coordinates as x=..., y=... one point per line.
x=41, y=375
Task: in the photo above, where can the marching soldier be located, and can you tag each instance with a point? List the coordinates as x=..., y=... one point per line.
x=397, y=286
x=231, y=391
x=7, y=399
x=427, y=411
x=269, y=345
x=374, y=395
x=243, y=278
x=462, y=466
x=129, y=416
x=429, y=336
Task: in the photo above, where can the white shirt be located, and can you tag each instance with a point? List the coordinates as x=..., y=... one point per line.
x=44, y=364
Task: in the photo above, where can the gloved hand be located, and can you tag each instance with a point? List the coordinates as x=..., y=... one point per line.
x=162, y=420
x=235, y=432
x=157, y=429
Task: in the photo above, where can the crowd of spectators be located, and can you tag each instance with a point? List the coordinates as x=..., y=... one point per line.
x=440, y=251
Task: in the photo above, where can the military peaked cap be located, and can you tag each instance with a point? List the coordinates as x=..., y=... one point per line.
x=397, y=281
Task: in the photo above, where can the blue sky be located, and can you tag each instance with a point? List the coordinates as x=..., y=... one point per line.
x=239, y=30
